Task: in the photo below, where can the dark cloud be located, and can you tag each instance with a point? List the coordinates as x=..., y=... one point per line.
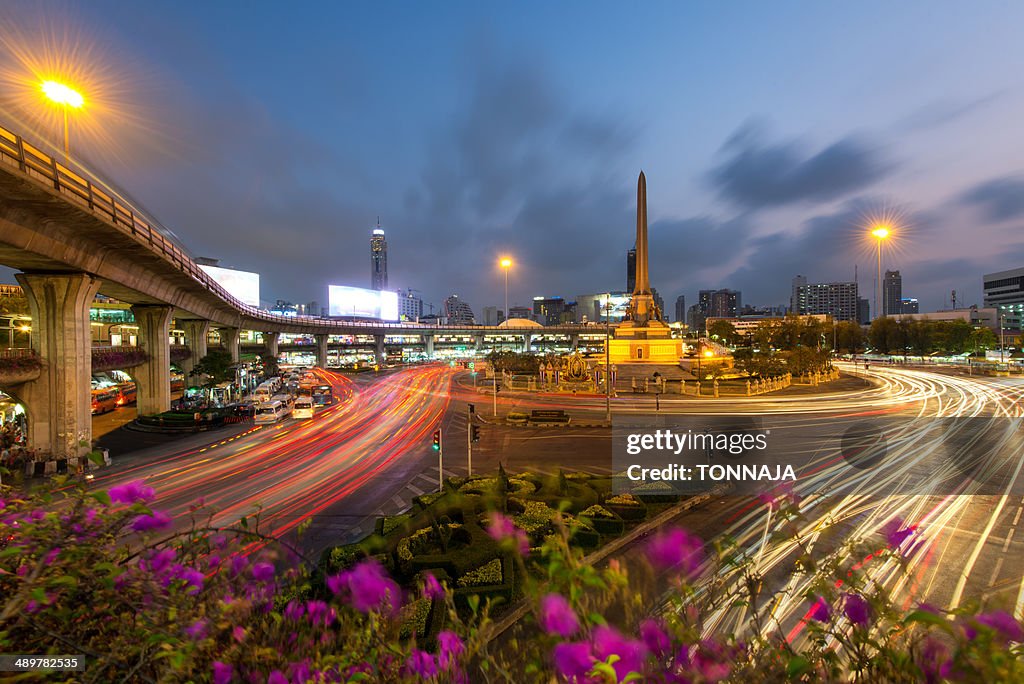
x=999, y=199
x=759, y=174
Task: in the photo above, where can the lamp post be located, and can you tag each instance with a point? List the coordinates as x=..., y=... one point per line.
x=505, y=264
x=65, y=96
x=608, y=357
x=1002, y=321
x=880, y=232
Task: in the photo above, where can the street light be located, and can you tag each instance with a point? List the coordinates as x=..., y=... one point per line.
x=880, y=232
x=506, y=263
x=608, y=358
x=65, y=96
x=1002, y=322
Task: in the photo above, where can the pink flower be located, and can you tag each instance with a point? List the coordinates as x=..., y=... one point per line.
x=557, y=616
x=631, y=653
x=151, y=523
x=1001, y=622
x=934, y=660
x=238, y=633
x=712, y=661
x=131, y=492
x=193, y=578
x=857, y=609
x=159, y=560
x=432, y=589
x=654, y=637
x=263, y=572
x=222, y=672
x=294, y=610
x=450, y=647
x=51, y=556
x=573, y=661
x=422, y=664
x=821, y=610
x=277, y=677
x=197, y=630
x=502, y=529
x=368, y=587
x=676, y=549
x=895, y=533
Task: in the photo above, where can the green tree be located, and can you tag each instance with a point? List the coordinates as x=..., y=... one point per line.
x=982, y=339
x=270, y=367
x=882, y=334
x=217, y=366
x=724, y=331
x=849, y=337
x=14, y=306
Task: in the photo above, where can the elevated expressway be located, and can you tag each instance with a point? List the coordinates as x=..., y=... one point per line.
x=72, y=236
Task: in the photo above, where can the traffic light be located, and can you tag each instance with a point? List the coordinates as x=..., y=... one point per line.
x=472, y=408
x=474, y=433
x=472, y=365
x=437, y=440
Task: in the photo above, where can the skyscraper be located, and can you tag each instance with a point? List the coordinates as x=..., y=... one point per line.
x=457, y=311
x=892, y=293
x=631, y=270
x=681, y=309
x=838, y=300
x=378, y=259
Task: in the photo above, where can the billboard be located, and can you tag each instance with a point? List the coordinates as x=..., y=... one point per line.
x=242, y=285
x=357, y=302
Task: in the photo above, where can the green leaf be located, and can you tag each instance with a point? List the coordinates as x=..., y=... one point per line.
x=96, y=457
x=796, y=666
x=925, y=617
x=101, y=496
x=244, y=522
x=474, y=603
x=64, y=581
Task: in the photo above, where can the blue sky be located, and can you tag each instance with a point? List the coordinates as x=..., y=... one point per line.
x=271, y=135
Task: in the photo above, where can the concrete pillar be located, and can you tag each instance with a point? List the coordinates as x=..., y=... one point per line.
x=321, y=350
x=229, y=338
x=196, y=333
x=379, y=352
x=270, y=340
x=153, y=378
x=59, y=402
x=428, y=344
x=574, y=341
x=527, y=341
x=478, y=342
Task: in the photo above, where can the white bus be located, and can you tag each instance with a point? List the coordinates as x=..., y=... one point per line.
x=263, y=393
x=272, y=411
x=303, y=408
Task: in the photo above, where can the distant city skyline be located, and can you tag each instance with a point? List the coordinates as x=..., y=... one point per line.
x=487, y=131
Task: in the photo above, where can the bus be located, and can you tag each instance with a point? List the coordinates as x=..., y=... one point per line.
x=271, y=412
x=104, y=400
x=303, y=408
x=126, y=393
x=323, y=395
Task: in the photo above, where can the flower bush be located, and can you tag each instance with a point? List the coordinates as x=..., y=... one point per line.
x=147, y=598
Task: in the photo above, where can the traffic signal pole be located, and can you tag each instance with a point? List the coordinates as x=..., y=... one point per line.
x=469, y=441
x=439, y=448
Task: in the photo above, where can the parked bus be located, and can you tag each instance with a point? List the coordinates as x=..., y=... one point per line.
x=104, y=400
x=126, y=393
x=271, y=412
x=303, y=408
x=323, y=395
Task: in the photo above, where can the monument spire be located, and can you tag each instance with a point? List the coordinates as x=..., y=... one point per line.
x=643, y=281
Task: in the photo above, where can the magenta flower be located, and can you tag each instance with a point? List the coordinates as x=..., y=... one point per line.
x=821, y=610
x=159, y=561
x=51, y=556
x=319, y=612
x=712, y=661
x=368, y=588
x=934, y=660
x=1001, y=622
x=238, y=633
x=131, y=492
x=432, y=589
x=197, y=630
x=676, y=549
x=222, y=673
x=573, y=661
x=422, y=664
x=502, y=529
x=337, y=583
x=654, y=637
x=450, y=647
x=557, y=616
x=857, y=609
x=151, y=523
x=631, y=653
x=294, y=611
x=277, y=677
x=895, y=533
x=263, y=572
x=238, y=564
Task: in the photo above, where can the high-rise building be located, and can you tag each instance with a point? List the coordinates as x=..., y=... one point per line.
x=378, y=259
x=548, y=310
x=659, y=301
x=520, y=312
x=491, y=315
x=725, y=304
x=631, y=270
x=457, y=311
x=863, y=311
x=1005, y=291
x=838, y=300
x=410, y=306
x=909, y=305
x=892, y=293
x=696, y=318
x=680, y=309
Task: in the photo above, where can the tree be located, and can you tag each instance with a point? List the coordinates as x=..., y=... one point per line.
x=14, y=306
x=849, y=337
x=270, y=367
x=217, y=366
x=982, y=339
x=921, y=337
x=806, y=360
x=882, y=334
x=723, y=330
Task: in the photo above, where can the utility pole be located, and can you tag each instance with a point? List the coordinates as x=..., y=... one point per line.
x=470, y=429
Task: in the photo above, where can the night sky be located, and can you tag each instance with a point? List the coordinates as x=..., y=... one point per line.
x=272, y=136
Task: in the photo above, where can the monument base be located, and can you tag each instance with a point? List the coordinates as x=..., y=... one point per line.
x=637, y=350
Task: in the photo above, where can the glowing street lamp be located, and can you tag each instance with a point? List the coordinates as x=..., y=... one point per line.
x=66, y=96
x=880, y=232
x=506, y=264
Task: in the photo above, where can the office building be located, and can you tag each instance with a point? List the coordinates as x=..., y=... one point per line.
x=680, y=309
x=631, y=270
x=838, y=300
x=493, y=315
x=892, y=293
x=696, y=318
x=378, y=259
x=863, y=311
x=1005, y=291
x=659, y=301
x=520, y=312
x=458, y=312
x=410, y=306
x=909, y=305
x=548, y=310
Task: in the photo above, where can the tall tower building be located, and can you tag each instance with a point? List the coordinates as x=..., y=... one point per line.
x=631, y=270
x=892, y=293
x=378, y=259
x=681, y=309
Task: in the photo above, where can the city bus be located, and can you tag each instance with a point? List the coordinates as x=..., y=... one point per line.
x=323, y=395
x=126, y=393
x=104, y=400
x=303, y=408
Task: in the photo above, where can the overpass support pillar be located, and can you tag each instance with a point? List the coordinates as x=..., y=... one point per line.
x=574, y=341
x=196, y=332
x=527, y=342
x=153, y=378
x=428, y=345
x=321, y=350
x=379, y=352
x=478, y=343
x=60, y=401
x=270, y=342
x=229, y=338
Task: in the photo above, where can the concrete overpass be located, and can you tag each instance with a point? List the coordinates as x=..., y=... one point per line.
x=71, y=236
